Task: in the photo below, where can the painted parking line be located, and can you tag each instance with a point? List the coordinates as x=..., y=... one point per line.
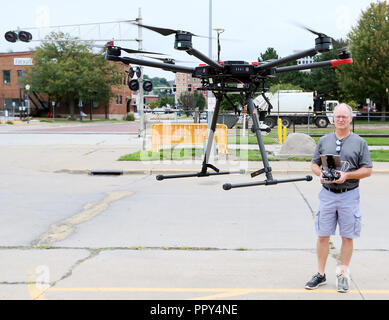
x=210, y=293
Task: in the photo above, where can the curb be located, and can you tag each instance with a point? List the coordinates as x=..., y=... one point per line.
x=174, y=171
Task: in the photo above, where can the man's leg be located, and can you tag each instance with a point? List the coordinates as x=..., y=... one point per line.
x=346, y=253
x=322, y=250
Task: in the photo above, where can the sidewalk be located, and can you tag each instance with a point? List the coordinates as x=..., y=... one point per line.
x=84, y=158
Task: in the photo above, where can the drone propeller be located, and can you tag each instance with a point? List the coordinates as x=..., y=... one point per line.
x=319, y=34
x=169, y=60
x=167, y=32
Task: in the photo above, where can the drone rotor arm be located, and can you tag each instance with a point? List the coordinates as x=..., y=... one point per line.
x=328, y=63
x=138, y=51
x=204, y=58
x=153, y=64
x=292, y=57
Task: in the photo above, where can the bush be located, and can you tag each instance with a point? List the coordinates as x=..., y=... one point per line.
x=129, y=117
x=10, y=122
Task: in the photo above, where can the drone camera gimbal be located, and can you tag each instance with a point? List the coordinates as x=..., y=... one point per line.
x=234, y=77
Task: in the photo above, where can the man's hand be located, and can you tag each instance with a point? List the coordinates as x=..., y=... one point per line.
x=323, y=179
x=343, y=177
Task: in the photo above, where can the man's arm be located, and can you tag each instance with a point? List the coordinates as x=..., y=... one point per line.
x=316, y=169
x=354, y=175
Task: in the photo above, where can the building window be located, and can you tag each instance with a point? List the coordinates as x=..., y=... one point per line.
x=20, y=76
x=119, y=99
x=6, y=76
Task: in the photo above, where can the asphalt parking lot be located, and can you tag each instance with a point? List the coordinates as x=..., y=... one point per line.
x=68, y=235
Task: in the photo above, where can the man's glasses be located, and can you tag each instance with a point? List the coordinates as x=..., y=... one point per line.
x=338, y=146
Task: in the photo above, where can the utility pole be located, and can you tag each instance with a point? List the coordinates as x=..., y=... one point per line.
x=211, y=104
x=142, y=129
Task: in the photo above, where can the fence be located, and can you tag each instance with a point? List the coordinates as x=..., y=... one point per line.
x=168, y=134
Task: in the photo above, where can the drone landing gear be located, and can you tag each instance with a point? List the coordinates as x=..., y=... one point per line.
x=204, y=171
x=267, y=169
x=257, y=130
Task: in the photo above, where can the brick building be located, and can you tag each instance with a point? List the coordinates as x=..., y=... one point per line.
x=13, y=94
x=183, y=80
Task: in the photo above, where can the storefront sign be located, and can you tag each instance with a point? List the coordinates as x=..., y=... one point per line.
x=23, y=62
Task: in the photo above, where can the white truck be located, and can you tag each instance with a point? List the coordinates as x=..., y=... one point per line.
x=298, y=107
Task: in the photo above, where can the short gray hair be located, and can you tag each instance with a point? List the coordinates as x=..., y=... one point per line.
x=345, y=105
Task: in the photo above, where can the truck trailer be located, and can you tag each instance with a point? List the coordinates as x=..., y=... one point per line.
x=296, y=106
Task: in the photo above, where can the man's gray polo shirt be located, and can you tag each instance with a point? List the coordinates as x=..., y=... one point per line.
x=354, y=151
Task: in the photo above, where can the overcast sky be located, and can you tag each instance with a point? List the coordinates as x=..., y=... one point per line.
x=251, y=26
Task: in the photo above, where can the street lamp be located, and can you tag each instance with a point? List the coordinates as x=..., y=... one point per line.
x=28, y=87
x=53, y=104
x=219, y=31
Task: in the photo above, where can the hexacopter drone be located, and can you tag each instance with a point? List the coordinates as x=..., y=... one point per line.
x=228, y=77
x=235, y=77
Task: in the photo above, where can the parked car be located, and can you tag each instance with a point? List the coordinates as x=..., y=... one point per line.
x=159, y=110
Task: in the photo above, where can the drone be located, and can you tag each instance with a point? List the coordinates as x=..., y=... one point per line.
x=240, y=77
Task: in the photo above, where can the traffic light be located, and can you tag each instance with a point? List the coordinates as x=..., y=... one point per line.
x=25, y=36
x=189, y=87
x=130, y=72
x=174, y=88
x=11, y=36
x=138, y=72
x=147, y=86
x=133, y=85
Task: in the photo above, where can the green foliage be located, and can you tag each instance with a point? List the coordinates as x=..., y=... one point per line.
x=166, y=100
x=129, y=117
x=66, y=70
x=284, y=86
x=191, y=101
x=235, y=99
x=269, y=54
x=368, y=76
x=294, y=78
x=154, y=104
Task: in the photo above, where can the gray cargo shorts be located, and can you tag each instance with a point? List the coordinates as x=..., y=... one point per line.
x=338, y=208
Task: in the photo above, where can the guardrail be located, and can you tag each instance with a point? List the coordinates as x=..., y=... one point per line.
x=168, y=134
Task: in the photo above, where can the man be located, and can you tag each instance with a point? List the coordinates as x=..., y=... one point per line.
x=339, y=199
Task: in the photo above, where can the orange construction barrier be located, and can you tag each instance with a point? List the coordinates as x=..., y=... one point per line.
x=168, y=134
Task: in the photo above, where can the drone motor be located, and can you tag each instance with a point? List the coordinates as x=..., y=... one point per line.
x=183, y=40
x=323, y=44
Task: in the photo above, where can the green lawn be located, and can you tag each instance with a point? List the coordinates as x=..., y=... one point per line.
x=254, y=155
x=270, y=139
x=370, y=141
x=164, y=154
x=245, y=155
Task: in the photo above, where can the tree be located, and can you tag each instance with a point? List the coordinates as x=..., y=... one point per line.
x=368, y=76
x=67, y=71
x=269, y=54
x=166, y=100
x=295, y=78
x=192, y=101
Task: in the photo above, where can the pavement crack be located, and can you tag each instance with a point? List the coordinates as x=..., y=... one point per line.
x=38, y=295
x=63, y=229
x=305, y=200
